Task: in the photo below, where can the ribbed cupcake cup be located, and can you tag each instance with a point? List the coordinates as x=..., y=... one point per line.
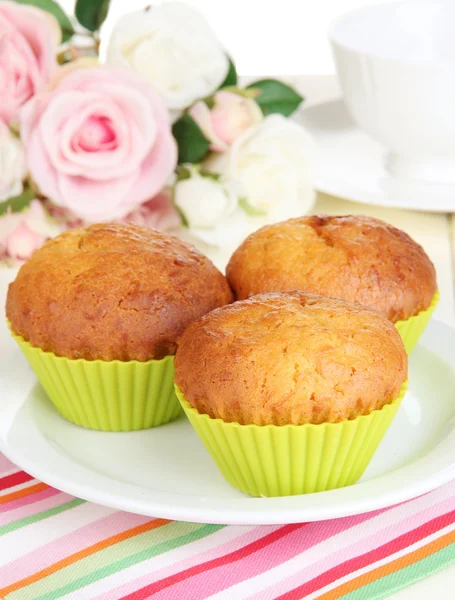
x=289, y=460
x=107, y=396
x=411, y=329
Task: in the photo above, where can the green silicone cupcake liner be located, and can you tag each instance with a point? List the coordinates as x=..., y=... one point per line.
x=107, y=396
x=292, y=459
x=411, y=329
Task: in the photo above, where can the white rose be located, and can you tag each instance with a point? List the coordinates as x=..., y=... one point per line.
x=12, y=164
x=274, y=164
x=174, y=49
x=210, y=207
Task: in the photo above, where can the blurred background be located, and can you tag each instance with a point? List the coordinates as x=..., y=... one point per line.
x=283, y=37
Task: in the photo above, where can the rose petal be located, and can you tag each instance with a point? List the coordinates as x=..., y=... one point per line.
x=97, y=78
x=8, y=223
x=22, y=242
x=39, y=221
x=31, y=113
x=55, y=124
x=45, y=175
x=162, y=159
x=202, y=115
x=174, y=49
x=81, y=195
x=230, y=232
x=126, y=108
x=94, y=180
x=27, y=54
x=36, y=29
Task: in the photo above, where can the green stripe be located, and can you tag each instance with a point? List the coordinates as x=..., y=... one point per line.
x=39, y=516
x=384, y=587
x=113, y=559
x=108, y=556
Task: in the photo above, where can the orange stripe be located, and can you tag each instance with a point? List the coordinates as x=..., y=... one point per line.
x=391, y=567
x=32, y=489
x=69, y=560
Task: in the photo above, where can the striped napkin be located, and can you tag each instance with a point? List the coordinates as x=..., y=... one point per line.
x=53, y=545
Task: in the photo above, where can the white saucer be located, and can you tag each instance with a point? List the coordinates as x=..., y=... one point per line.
x=166, y=472
x=352, y=165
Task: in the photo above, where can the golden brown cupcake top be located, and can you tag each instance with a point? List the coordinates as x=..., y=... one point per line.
x=290, y=358
x=355, y=258
x=113, y=291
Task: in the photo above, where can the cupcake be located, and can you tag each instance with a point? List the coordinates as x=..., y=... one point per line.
x=291, y=392
x=354, y=258
x=98, y=313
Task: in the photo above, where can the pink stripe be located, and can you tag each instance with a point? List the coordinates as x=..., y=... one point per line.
x=205, y=584
x=208, y=583
x=67, y=545
x=190, y=561
x=358, y=548
x=7, y=465
x=37, y=507
x=26, y=500
x=313, y=534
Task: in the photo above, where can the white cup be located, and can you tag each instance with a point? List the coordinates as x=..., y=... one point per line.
x=396, y=65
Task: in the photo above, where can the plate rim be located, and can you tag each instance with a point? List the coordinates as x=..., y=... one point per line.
x=273, y=511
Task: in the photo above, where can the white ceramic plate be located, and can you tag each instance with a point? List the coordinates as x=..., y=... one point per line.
x=351, y=165
x=166, y=472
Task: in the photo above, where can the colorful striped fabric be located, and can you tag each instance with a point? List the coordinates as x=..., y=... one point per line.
x=53, y=545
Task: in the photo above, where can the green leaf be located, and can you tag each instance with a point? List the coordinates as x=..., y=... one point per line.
x=276, y=97
x=210, y=102
x=191, y=142
x=55, y=9
x=245, y=93
x=210, y=175
x=183, y=172
x=251, y=210
x=231, y=77
x=180, y=212
x=18, y=203
x=91, y=13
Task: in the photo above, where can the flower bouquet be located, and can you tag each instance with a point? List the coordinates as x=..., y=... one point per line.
x=158, y=132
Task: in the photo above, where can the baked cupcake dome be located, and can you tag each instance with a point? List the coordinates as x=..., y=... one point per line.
x=290, y=358
x=354, y=258
x=113, y=291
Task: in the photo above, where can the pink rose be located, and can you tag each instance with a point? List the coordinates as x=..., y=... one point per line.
x=23, y=233
x=158, y=213
x=64, y=217
x=28, y=44
x=83, y=62
x=12, y=163
x=100, y=143
x=230, y=116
